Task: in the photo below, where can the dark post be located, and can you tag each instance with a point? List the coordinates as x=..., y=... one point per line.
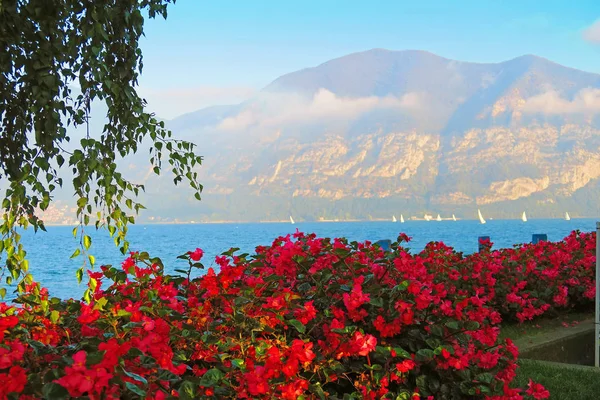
x=385, y=244
x=539, y=237
x=482, y=239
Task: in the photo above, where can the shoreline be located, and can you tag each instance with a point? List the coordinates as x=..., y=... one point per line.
x=285, y=221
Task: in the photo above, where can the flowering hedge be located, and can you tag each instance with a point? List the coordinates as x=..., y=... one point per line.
x=303, y=318
x=524, y=282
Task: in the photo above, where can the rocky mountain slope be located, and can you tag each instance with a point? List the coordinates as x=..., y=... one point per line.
x=386, y=132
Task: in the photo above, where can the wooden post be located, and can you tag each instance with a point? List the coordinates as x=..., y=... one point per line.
x=539, y=237
x=385, y=244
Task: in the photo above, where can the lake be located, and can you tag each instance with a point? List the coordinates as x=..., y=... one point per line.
x=49, y=252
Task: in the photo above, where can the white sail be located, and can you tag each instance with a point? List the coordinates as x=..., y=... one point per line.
x=453, y=217
x=393, y=218
x=524, y=217
x=438, y=218
x=401, y=218
x=292, y=220
x=567, y=217
x=480, y=216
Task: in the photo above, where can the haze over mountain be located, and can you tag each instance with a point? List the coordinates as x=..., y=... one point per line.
x=382, y=132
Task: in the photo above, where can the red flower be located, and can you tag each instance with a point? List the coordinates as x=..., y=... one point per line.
x=363, y=344
x=6, y=323
x=445, y=353
x=256, y=382
x=293, y=390
x=405, y=366
x=128, y=265
x=80, y=380
x=307, y=313
x=536, y=390
x=302, y=351
x=12, y=382
x=88, y=314
x=196, y=255
x=355, y=300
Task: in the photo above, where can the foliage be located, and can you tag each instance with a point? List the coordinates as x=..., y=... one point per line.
x=48, y=47
x=302, y=318
x=526, y=281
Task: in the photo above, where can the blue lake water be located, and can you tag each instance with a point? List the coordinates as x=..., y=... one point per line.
x=49, y=252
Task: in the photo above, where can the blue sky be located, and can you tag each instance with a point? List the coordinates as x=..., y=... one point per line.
x=216, y=52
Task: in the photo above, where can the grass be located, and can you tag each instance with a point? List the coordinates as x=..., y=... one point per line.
x=565, y=382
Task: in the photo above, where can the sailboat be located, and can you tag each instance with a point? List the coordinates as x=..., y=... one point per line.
x=438, y=218
x=453, y=217
x=567, y=218
x=401, y=219
x=480, y=216
x=292, y=220
x=524, y=217
x=393, y=218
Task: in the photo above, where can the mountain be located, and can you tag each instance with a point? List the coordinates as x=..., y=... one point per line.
x=382, y=132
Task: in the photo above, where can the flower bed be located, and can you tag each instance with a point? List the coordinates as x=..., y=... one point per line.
x=303, y=318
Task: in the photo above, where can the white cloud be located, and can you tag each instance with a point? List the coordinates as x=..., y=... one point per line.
x=271, y=110
x=592, y=32
x=170, y=103
x=586, y=101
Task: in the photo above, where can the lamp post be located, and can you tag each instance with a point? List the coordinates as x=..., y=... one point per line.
x=597, y=321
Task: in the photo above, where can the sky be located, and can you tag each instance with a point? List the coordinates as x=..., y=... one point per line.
x=223, y=52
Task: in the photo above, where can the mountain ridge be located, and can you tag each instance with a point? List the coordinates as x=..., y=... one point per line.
x=382, y=132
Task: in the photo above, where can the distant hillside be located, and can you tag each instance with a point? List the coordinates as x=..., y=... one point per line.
x=381, y=132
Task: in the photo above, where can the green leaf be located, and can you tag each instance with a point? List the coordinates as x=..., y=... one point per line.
x=437, y=330
x=123, y=313
x=240, y=301
x=453, y=325
x=424, y=355
x=211, y=377
x=87, y=242
x=376, y=301
x=76, y=253
x=298, y=325
x=187, y=390
x=305, y=287
x=136, y=377
x=135, y=389
x=471, y=325
x=94, y=358
x=433, y=342
x=54, y=391
x=400, y=352
x=422, y=381
x=100, y=303
x=87, y=296
x=485, y=377
x=54, y=316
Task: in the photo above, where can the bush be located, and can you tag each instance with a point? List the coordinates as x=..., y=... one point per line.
x=302, y=318
x=525, y=282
